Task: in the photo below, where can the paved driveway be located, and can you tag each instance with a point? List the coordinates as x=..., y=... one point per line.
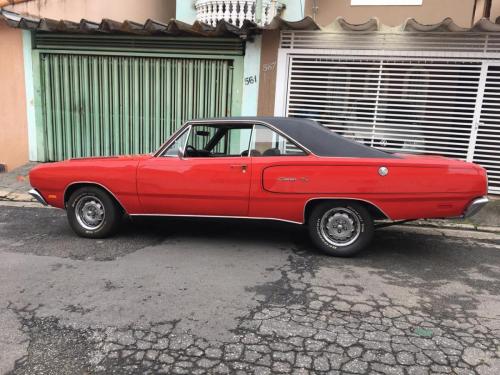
x=194, y=297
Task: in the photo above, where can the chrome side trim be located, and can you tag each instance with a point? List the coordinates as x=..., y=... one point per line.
x=266, y=218
x=35, y=194
x=94, y=183
x=221, y=217
x=345, y=199
x=475, y=206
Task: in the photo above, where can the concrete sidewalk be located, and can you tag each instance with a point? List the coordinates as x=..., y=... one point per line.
x=14, y=187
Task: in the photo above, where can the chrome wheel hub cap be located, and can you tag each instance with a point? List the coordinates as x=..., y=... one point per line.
x=90, y=212
x=340, y=226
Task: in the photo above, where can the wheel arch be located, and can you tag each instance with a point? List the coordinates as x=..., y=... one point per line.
x=72, y=187
x=375, y=212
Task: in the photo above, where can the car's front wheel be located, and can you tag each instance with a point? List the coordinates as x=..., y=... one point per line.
x=92, y=212
x=341, y=228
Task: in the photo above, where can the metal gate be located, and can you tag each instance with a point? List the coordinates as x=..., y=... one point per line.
x=394, y=104
x=485, y=140
x=108, y=105
x=430, y=94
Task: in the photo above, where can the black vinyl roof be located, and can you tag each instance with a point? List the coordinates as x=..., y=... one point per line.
x=318, y=139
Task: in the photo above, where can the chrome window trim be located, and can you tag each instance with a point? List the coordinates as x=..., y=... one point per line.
x=252, y=134
x=170, y=142
x=174, y=137
x=188, y=131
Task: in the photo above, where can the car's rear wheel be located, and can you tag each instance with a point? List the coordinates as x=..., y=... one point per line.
x=341, y=228
x=92, y=212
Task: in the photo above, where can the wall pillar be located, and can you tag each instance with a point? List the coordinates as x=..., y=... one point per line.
x=185, y=11
x=13, y=124
x=251, y=77
x=295, y=10
x=30, y=95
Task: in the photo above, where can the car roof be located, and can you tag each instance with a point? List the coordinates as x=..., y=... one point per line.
x=310, y=134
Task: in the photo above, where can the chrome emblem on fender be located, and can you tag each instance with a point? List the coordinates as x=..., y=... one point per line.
x=293, y=179
x=383, y=171
x=287, y=179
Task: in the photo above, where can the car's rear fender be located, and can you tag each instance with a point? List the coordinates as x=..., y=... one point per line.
x=370, y=179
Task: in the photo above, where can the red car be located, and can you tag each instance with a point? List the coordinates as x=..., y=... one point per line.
x=286, y=169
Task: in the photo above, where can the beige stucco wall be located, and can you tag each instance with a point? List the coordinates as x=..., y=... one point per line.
x=13, y=119
x=431, y=11
x=495, y=10
x=96, y=10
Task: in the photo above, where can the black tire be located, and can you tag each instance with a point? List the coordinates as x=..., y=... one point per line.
x=95, y=197
x=349, y=215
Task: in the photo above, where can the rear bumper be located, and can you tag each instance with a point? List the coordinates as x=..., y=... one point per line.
x=475, y=206
x=35, y=194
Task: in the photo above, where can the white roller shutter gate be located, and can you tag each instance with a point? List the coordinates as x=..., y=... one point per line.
x=430, y=105
x=486, y=150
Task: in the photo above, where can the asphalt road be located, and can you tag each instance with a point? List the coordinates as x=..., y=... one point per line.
x=204, y=296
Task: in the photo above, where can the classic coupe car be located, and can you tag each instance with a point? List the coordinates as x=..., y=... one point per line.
x=286, y=169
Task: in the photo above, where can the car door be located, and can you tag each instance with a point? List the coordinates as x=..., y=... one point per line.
x=202, y=173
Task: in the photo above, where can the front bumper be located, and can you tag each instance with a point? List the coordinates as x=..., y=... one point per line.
x=35, y=194
x=475, y=206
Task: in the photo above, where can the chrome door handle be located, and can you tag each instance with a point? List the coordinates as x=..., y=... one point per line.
x=243, y=167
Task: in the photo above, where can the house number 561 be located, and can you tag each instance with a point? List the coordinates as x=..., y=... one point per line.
x=250, y=80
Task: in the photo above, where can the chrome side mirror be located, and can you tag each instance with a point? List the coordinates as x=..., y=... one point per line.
x=180, y=153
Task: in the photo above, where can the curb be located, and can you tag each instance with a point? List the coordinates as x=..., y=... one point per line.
x=15, y=197
x=4, y=203
x=451, y=225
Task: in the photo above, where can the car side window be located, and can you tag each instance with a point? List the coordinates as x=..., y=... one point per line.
x=236, y=141
x=178, y=145
x=218, y=141
x=266, y=142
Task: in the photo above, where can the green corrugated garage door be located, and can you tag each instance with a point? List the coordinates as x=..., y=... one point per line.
x=122, y=103
x=109, y=94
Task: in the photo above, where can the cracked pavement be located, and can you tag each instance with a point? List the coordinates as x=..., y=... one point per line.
x=185, y=296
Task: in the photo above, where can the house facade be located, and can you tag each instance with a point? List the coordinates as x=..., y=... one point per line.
x=401, y=75
x=101, y=86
